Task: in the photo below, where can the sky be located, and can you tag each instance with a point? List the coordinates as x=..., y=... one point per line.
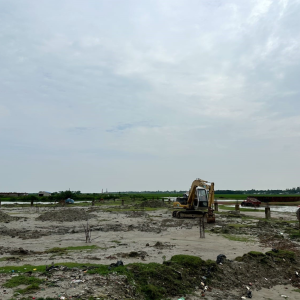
x=149, y=95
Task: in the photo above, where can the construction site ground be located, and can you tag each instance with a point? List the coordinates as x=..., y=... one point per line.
x=33, y=239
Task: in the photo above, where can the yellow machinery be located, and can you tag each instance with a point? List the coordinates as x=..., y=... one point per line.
x=198, y=203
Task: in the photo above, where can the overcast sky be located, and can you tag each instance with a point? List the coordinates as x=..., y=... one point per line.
x=149, y=95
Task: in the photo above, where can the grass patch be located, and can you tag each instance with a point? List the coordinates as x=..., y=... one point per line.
x=7, y=258
x=115, y=241
x=41, y=298
x=294, y=234
x=56, y=250
x=243, y=217
x=41, y=268
x=18, y=280
x=104, y=270
x=187, y=260
x=238, y=225
x=175, y=277
x=29, y=289
x=91, y=247
x=237, y=238
x=60, y=250
x=256, y=254
x=297, y=290
x=283, y=254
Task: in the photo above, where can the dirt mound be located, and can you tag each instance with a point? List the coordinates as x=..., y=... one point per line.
x=151, y=204
x=134, y=254
x=160, y=245
x=6, y=218
x=65, y=215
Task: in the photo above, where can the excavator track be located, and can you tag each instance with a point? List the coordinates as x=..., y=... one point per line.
x=179, y=214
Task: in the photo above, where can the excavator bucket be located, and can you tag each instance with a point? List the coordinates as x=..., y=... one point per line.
x=210, y=216
x=211, y=219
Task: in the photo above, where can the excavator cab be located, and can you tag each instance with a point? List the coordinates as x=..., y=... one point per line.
x=202, y=198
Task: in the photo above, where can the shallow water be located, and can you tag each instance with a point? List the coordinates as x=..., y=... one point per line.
x=276, y=208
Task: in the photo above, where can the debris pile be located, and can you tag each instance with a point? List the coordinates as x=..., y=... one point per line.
x=65, y=215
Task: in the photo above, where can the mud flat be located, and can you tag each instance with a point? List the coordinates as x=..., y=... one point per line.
x=43, y=253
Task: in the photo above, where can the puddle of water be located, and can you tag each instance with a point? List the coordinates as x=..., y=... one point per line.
x=275, y=208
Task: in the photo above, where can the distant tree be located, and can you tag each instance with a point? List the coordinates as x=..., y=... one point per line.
x=66, y=194
x=32, y=199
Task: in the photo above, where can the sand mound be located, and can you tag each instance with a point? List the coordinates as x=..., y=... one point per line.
x=6, y=218
x=152, y=204
x=66, y=215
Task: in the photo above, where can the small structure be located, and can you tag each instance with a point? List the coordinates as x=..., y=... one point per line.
x=251, y=202
x=44, y=194
x=69, y=201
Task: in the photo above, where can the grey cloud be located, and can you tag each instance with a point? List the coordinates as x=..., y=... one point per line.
x=151, y=79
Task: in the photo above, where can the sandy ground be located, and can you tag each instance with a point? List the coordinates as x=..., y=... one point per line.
x=119, y=233
x=183, y=239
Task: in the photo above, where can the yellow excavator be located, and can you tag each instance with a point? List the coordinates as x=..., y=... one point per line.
x=197, y=203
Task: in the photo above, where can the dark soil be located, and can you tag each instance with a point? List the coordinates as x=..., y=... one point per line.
x=66, y=215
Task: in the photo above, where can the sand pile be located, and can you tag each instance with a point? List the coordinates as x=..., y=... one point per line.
x=66, y=215
x=152, y=204
x=6, y=218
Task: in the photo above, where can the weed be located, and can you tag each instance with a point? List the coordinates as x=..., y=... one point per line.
x=58, y=250
x=18, y=280
x=237, y=238
x=41, y=268
x=29, y=289
x=283, y=254
x=10, y=258
x=237, y=225
x=294, y=234
x=256, y=254
x=187, y=260
x=92, y=247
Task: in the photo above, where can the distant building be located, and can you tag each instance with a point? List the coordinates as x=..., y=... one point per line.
x=44, y=194
x=13, y=194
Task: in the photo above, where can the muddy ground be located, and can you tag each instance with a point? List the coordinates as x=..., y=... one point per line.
x=49, y=237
